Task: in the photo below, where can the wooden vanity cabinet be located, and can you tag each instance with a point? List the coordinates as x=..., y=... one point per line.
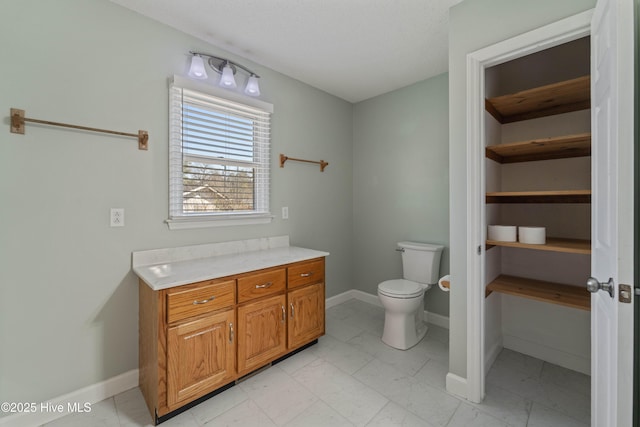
x=269, y=327
x=187, y=342
x=305, y=298
x=262, y=327
x=198, y=338
x=262, y=331
x=306, y=314
x=200, y=357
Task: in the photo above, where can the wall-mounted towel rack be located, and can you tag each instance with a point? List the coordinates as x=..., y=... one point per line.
x=18, y=120
x=322, y=163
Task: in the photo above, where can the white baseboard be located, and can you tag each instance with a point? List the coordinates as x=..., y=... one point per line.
x=432, y=318
x=540, y=351
x=352, y=294
x=366, y=297
x=491, y=356
x=437, y=319
x=76, y=399
x=456, y=385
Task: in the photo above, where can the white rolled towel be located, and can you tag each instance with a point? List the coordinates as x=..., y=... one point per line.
x=445, y=286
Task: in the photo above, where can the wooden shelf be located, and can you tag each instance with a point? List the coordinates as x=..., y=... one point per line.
x=562, y=147
x=555, y=196
x=557, y=98
x=555, y=293
x=554, y=244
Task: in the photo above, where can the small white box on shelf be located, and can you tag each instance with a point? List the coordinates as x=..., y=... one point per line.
x=502, y=233
x=532, y=235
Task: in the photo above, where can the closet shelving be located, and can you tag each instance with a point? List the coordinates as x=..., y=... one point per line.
x=563, y=97
x=555, y=196
x=557, y=293
x=570, y=246
x=560, y=147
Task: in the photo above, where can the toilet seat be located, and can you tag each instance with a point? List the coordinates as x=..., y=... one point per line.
x=400, y=288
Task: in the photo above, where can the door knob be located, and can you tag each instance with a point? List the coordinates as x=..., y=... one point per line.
x=594, y=286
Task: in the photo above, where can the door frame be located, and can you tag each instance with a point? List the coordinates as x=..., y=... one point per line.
x=548, y=36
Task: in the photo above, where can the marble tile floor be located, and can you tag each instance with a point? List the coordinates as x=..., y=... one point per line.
x=350, y=378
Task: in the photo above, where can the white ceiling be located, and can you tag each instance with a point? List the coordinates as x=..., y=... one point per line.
x=353, y=49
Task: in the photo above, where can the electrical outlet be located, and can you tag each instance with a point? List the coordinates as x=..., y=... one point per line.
x=117, y=217
x=285, y=212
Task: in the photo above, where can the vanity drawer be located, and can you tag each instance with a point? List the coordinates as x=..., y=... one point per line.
x=306, y=272
x=200, y=298
x=260, y=284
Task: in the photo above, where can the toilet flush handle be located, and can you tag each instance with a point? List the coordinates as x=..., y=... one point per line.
x=399, y=249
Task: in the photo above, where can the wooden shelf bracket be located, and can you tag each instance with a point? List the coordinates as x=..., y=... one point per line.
x=322, y=163
x=18, y=121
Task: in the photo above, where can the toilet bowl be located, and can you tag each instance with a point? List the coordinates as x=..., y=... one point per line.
x=402, y=299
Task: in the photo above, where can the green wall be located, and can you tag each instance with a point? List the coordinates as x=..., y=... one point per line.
x=68, y=298
x=401, y=183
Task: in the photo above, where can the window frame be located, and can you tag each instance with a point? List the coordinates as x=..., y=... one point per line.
x=177, y=218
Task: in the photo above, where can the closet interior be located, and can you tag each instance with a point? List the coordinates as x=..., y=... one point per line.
x=538, y=173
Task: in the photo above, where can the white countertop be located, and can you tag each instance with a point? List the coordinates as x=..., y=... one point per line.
x=178, y=272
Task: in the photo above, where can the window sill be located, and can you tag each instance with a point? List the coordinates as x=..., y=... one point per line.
x=218, y=221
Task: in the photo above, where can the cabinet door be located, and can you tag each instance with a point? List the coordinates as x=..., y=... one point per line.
x=261, y=332
x=306, y=314
x=200, y=357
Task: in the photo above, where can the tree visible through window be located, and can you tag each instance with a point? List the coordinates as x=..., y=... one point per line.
x=213, y=188
x=219, y=157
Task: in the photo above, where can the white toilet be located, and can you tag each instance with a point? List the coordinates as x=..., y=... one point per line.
x=402, y=299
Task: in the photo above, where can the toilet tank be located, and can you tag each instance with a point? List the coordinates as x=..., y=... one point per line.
x=421, y=261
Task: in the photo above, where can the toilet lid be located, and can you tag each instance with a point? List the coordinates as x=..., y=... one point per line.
x=400, y=288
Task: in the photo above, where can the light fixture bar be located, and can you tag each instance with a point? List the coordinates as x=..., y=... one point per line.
x=226, y=68
x=222, y=62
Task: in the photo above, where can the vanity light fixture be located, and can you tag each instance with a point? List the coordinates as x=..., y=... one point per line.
x=226, y=68
x=197, y=70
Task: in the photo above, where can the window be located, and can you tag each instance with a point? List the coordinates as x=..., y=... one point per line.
x=219, y=159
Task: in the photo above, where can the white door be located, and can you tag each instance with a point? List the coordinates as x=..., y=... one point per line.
x=612, y=212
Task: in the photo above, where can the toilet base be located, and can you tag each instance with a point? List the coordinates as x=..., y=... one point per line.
x=413, y=330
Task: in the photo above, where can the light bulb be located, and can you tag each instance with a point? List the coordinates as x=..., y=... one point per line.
x=197, y=70
x=227, y=79
x=252, y=89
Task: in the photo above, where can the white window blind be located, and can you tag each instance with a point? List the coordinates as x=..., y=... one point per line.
x=219, y=158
